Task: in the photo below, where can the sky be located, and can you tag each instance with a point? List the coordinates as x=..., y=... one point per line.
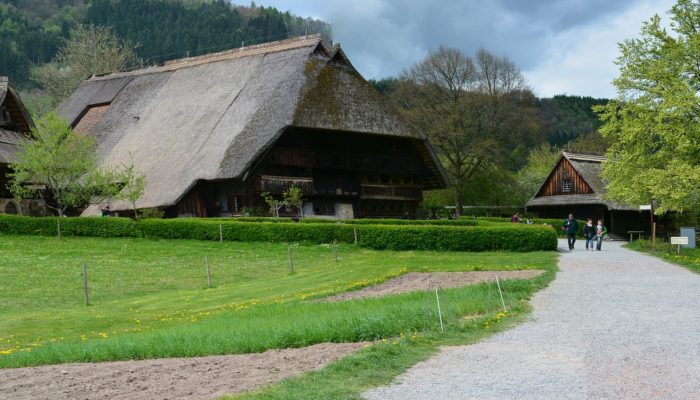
x=562, y=46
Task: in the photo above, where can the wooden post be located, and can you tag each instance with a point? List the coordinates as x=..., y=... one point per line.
x=58, y=227
x=354, y=230
x=653, y=236
x=442, y=328
x=221, y=233
x=291, y=260
x=206, y=262
x=500, y=293
x=85, y=283
x=335, y=250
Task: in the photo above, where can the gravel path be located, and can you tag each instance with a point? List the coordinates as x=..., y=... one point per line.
x=614, y=324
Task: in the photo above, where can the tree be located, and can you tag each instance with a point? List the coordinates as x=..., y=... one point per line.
x=654, y=125
x=540, y=162
x=60, y=167
x=93, y=50
x=132, y=184
x=474, y=111
x=590, y=143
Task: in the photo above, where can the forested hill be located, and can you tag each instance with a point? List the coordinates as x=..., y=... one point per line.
x=31, y=31
x=568, y=117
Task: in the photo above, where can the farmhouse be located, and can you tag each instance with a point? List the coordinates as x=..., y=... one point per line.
x=212, y=133
x=15, y=125
x=575, y=186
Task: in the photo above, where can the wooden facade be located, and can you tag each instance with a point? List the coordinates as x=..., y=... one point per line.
x=15, y=125
x=564, y=180
x=575, y=187
x=366, y=176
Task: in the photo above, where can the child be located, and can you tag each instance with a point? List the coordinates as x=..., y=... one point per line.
x=600, y=232
x=589, y=233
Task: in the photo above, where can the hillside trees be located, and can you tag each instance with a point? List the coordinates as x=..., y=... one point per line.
x=654, y=125
x=93, y=50
x=475, y=110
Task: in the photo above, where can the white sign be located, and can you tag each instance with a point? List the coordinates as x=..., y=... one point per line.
x=645, y=207
x=679, y=240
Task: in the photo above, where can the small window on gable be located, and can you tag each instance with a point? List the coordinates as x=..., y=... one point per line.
x=566, y=186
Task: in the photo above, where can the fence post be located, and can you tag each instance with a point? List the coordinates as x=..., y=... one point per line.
x=442, y=328
x=206, y=262
x=291, y=259
x=501, y=293
x=85, y=283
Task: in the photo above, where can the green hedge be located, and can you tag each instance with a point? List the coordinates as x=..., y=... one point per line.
x=368, y=221
x=554, y=222
x=394, y=237
x=48, y=226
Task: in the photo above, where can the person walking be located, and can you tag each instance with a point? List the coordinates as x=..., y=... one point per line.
x=600, y=232
x=589, y=233
x=570, y=226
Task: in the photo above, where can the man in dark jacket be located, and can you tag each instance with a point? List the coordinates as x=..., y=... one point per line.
x=570, y=226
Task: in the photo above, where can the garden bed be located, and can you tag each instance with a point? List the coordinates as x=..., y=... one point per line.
x=420, y=281
x=174, y=378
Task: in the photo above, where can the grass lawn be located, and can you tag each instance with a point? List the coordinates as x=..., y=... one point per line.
x=150, y=299
x=689, y=258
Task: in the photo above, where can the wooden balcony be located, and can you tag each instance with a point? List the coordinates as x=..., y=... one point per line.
x=280, y=184
x=384, y=192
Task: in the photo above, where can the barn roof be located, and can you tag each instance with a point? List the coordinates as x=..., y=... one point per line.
x=11, y=137
x=211, y=117
x=589, y=168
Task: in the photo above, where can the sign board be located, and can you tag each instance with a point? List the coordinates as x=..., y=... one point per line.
x=645, y=207
x=679, y=240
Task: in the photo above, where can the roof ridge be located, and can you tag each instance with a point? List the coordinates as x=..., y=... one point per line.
x=246, y=51
x=583, y=157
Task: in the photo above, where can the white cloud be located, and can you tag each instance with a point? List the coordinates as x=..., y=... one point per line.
x=563, y=46
x=582, y=61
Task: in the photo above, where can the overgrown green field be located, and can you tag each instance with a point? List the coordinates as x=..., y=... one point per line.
x=689, y=258
x=150, y=298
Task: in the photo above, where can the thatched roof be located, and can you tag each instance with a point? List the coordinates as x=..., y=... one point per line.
x=589, y=168
x=9, y=141
x=11, y=137
x=211, y=117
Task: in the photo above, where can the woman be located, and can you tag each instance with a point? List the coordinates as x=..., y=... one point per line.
x=600, y=232
x=589, y=233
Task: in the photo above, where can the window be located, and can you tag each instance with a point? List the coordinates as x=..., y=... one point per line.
x=566, y=186
x=11, y=208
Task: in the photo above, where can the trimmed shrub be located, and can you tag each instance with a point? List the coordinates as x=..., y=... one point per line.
x=367, y=221
x=398, y=237
x=48, y=226
x=554, y=222
x=392, y=237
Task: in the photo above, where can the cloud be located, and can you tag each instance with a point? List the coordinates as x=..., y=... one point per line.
x=563, y=46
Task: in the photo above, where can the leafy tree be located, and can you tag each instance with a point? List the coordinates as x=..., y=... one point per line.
x=654, y=125
x=591, y=143
x=60, y=166
x=475, y=111
x=132, y=184
x=93, y=50
x=540, y=162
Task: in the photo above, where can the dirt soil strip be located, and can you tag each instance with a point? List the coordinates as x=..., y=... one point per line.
x=174, y=378
x=420, y=281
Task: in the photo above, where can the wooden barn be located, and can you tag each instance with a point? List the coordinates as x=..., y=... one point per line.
x=212, y=133
x=15, y=127
x=575, y=186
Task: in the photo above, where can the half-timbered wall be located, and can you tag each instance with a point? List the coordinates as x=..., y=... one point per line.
x=562, y=178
